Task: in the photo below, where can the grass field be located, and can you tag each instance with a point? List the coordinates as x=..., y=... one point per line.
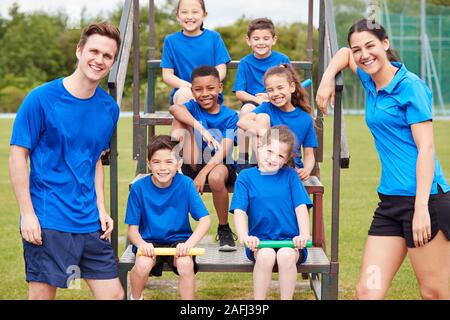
x=358, y=200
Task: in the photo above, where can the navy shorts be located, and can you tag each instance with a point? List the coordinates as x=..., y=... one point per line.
x=160, y=260
x=394, y=216
x=303, y=255
x=65, y=256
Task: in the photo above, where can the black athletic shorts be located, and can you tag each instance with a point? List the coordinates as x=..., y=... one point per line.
x=250, y=102
x=160, y=260
x=191, y=173
x=394, y=216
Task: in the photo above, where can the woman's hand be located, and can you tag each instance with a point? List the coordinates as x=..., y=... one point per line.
x=325, y=93
x=421, y=226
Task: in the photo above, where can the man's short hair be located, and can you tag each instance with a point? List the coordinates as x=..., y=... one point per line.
x=261, y=24
x=204, y=71
x=161, y=142
x=102, y=28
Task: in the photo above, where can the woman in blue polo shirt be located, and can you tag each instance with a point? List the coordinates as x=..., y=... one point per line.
x=413, y=216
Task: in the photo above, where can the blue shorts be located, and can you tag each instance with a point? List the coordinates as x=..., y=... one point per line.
x=64, y=256
x=303, y=255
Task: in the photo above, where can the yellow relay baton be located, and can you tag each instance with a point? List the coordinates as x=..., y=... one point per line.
x=173, y=252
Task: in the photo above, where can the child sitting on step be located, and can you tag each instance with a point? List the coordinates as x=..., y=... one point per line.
x=273, y=198
x=159, y=217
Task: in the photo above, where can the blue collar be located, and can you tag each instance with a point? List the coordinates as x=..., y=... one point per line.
x=400, y=75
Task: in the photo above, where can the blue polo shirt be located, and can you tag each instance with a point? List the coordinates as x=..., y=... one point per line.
x=65, y=137
x=300, y=122
x=162, y=214
x=250, y=72
x=406, y=100
x=184, y=53
x=220, y=125
x=270, y=210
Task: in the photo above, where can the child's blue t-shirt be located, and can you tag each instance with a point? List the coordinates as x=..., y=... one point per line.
x=220, y=125
x=65, y=136
x=162, y=214
x=406, y=100
x=299, y=122
x=270, y=201
x=184, y=53
x=250, y=72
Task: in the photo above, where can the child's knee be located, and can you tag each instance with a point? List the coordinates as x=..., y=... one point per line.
x=246, y=108
x=216, y=180
x=266, y=257
x=143, y=266
x=286, y=257
x=185, y=266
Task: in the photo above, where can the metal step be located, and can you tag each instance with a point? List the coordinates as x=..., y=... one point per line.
x=236, y=261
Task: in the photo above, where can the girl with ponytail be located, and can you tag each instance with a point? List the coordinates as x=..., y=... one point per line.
x=288, y=105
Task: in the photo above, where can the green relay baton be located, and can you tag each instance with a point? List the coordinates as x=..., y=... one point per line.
x=280, y=244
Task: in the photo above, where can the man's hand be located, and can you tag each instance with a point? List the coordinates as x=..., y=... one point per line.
x=31, y=229
x=107, y=224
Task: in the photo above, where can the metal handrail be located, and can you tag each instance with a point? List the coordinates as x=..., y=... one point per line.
x=116, y=84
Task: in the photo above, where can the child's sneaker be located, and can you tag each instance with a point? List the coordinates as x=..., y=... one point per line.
x=226, y=238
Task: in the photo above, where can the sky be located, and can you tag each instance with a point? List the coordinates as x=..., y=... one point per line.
x=220, y=12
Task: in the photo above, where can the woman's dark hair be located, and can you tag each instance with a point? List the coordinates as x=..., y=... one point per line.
x=377, y=30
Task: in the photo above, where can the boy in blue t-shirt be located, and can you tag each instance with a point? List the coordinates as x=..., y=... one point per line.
x=249, y=85
x=158, y=217
x=205, y=126
x=64, y=126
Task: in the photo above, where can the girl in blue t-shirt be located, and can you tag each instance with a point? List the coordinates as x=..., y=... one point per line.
x=274, y=213
x=413, y=215
x=189, y=48
x=288, y=105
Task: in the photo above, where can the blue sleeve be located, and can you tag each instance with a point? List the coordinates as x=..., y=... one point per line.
x=263, y=108
x=196, y=206
x=191, y=106
x=167, y=58
x=240, y=196
x=29, y=124
x=419, y=102
x=134, y=210
x=240, y=83
x=298, y=191
x=221, y=53
x=310, y=137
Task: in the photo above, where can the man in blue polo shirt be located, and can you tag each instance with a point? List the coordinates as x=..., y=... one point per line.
x=64, y=126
